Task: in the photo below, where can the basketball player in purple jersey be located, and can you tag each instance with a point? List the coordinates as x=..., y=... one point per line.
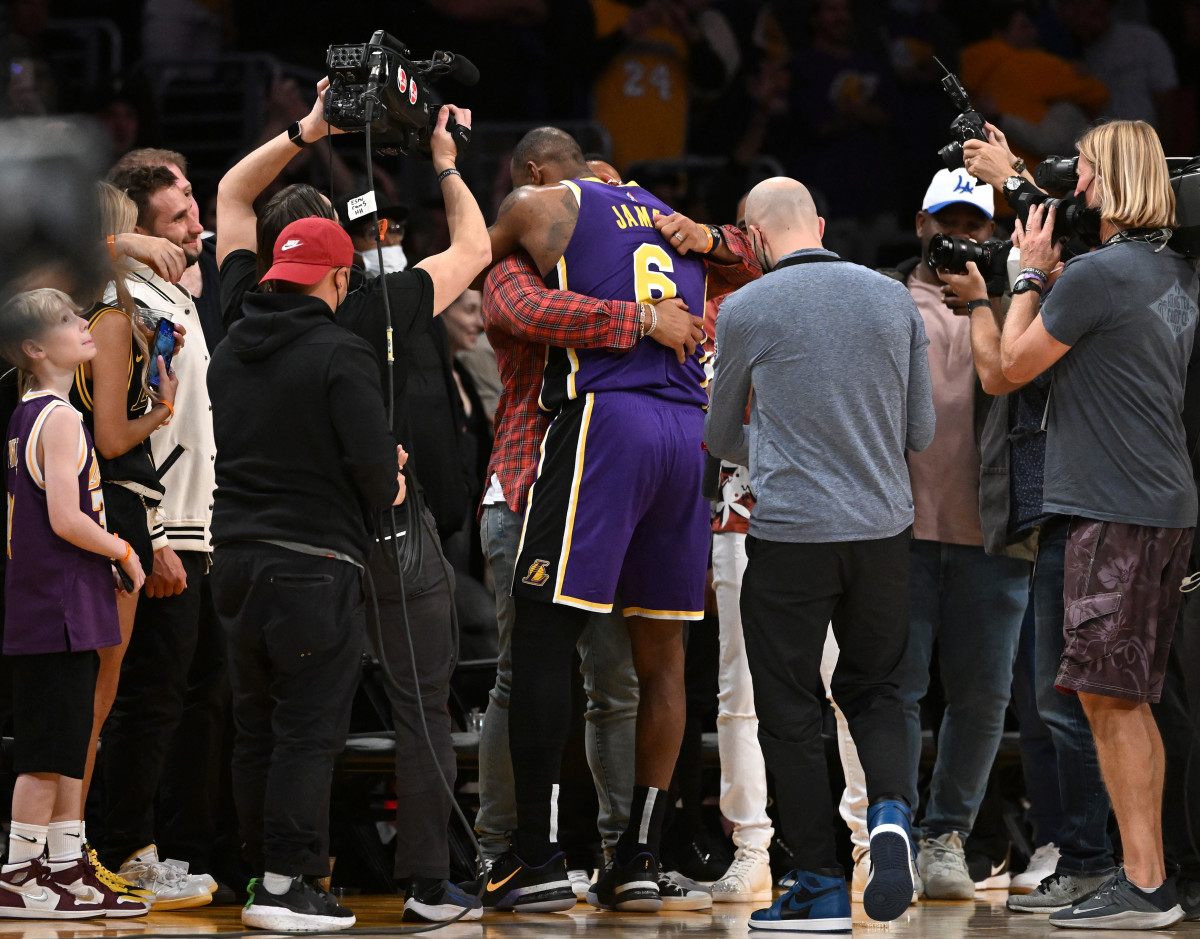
x=60, y=606
x=616, y=509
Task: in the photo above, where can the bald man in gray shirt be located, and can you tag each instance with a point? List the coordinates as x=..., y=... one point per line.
x=835, y=354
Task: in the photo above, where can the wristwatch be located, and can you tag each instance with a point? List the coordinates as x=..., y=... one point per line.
x=296, y=135
x=1025, y=284
x=973, y=305
x=1013, y=183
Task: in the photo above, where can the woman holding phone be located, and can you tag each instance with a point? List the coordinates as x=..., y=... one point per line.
x=121, y=412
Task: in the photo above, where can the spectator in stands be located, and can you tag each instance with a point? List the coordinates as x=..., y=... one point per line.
x=1039, y=100
x=391, y=226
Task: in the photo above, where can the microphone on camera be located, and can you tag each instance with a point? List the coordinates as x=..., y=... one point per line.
x=458, y=67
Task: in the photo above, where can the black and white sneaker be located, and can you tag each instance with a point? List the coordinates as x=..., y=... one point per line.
x=1119, y=904
x=629, y=888
x=439, y=901
x=512, y=884
x=305, y=907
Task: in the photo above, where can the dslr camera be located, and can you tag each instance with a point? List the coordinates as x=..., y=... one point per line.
x=967, y=126
x=380, y=88
x=991, y=257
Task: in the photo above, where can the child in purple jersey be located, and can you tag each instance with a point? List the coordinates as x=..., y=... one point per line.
x=60, y=608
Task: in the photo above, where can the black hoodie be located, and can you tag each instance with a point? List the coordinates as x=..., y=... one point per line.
x=304, y=453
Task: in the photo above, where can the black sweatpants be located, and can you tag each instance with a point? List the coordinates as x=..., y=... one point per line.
x=295, y=624
x=790, y=594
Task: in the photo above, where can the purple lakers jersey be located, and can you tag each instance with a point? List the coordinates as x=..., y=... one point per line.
x=615, y=253
x=58, y=597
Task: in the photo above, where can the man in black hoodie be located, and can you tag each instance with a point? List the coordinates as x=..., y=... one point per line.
x=305, y=460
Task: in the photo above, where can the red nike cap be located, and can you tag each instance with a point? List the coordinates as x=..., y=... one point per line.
x=307, y=249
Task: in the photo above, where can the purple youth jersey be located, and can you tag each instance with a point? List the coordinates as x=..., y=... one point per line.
x=58, y=597
x=615, y=253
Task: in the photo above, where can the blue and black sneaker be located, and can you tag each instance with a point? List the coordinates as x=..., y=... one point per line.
x=816, y=902
x=514, y=885
x=889, y=889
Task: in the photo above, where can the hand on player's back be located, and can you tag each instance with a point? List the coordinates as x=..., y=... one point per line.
x=677, y=329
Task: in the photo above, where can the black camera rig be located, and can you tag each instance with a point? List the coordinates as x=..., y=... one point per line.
x=967, y=126
x=379, y=86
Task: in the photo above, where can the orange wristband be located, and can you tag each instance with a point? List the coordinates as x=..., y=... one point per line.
x=125, y=556
x=709, y=247
x=112, y=247
x=171, y=416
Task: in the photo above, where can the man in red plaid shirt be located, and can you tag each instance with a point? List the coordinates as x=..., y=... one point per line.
x=523, y=319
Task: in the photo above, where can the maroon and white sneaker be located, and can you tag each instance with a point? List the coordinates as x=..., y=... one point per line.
x=81, y=881
x=28, y=892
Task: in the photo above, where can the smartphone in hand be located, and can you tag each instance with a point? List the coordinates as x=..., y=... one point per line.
x=164, y=345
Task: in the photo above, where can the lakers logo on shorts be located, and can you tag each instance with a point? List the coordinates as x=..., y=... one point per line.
x=537, y=575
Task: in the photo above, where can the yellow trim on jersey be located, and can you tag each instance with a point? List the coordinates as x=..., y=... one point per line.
x=580, y=454
x=583, y=604
x=31, y=444
x=661, y=614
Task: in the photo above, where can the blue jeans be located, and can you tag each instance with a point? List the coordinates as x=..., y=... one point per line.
x=1085, y=846
x=971, y=605
x=612, y=692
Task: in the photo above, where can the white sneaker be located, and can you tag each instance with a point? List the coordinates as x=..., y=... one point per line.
x=1043, y=863
x=206, y=879
x=581, y=880
x=943, y=866
x=747, y=880
x=173, y=888
x=681, y=893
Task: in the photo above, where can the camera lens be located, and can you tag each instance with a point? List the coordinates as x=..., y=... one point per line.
x=952, y=156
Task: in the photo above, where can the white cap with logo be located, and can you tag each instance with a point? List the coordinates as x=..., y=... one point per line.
x=950, y=186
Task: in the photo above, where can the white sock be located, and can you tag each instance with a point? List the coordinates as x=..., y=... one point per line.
x=25, y=842
x=277, y=884
x=65, y=841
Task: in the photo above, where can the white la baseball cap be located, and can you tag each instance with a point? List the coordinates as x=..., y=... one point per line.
x=950, y=186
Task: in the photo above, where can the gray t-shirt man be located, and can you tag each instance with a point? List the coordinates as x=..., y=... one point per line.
x=1115, y=448
x=835, y=353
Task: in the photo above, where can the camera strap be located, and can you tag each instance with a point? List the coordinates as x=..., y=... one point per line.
x=808, y=259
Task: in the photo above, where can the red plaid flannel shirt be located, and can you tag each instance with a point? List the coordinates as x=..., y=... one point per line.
x=522, y=317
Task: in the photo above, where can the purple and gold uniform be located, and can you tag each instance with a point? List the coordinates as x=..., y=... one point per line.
x=616, y=506
x=58, y=597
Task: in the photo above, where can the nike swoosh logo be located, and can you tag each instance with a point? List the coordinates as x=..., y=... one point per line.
x=813, y=899
x=492, y=885
x=39, y=897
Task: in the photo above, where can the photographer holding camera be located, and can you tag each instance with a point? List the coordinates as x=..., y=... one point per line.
x=1122, y=321
x=416, y=295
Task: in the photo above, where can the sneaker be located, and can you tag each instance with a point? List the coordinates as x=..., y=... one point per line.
x=889, y=887
x=78, y=878
x=1119, y=904
x=113, y=881
x=988, y=874
x=628, y=888
x=1043, y=863
x=815, y=903
x=682, y=894
x=943, y=867
x=581, y=880
x=439, y=902
x=207, y=879
x=173, y=889
x=305, y=907
x=748, y=879
x=1057, y=892
x=862, y=873
x=28, y=892
x=513, y=885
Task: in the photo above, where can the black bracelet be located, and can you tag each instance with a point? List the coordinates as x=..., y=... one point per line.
x=450, y=172
x=717, y=236
x=973, y=305
x=1026, y=284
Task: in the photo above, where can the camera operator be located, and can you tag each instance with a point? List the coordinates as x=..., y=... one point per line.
x=416, y=296
x=1074, y=851
x=1122, y=321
